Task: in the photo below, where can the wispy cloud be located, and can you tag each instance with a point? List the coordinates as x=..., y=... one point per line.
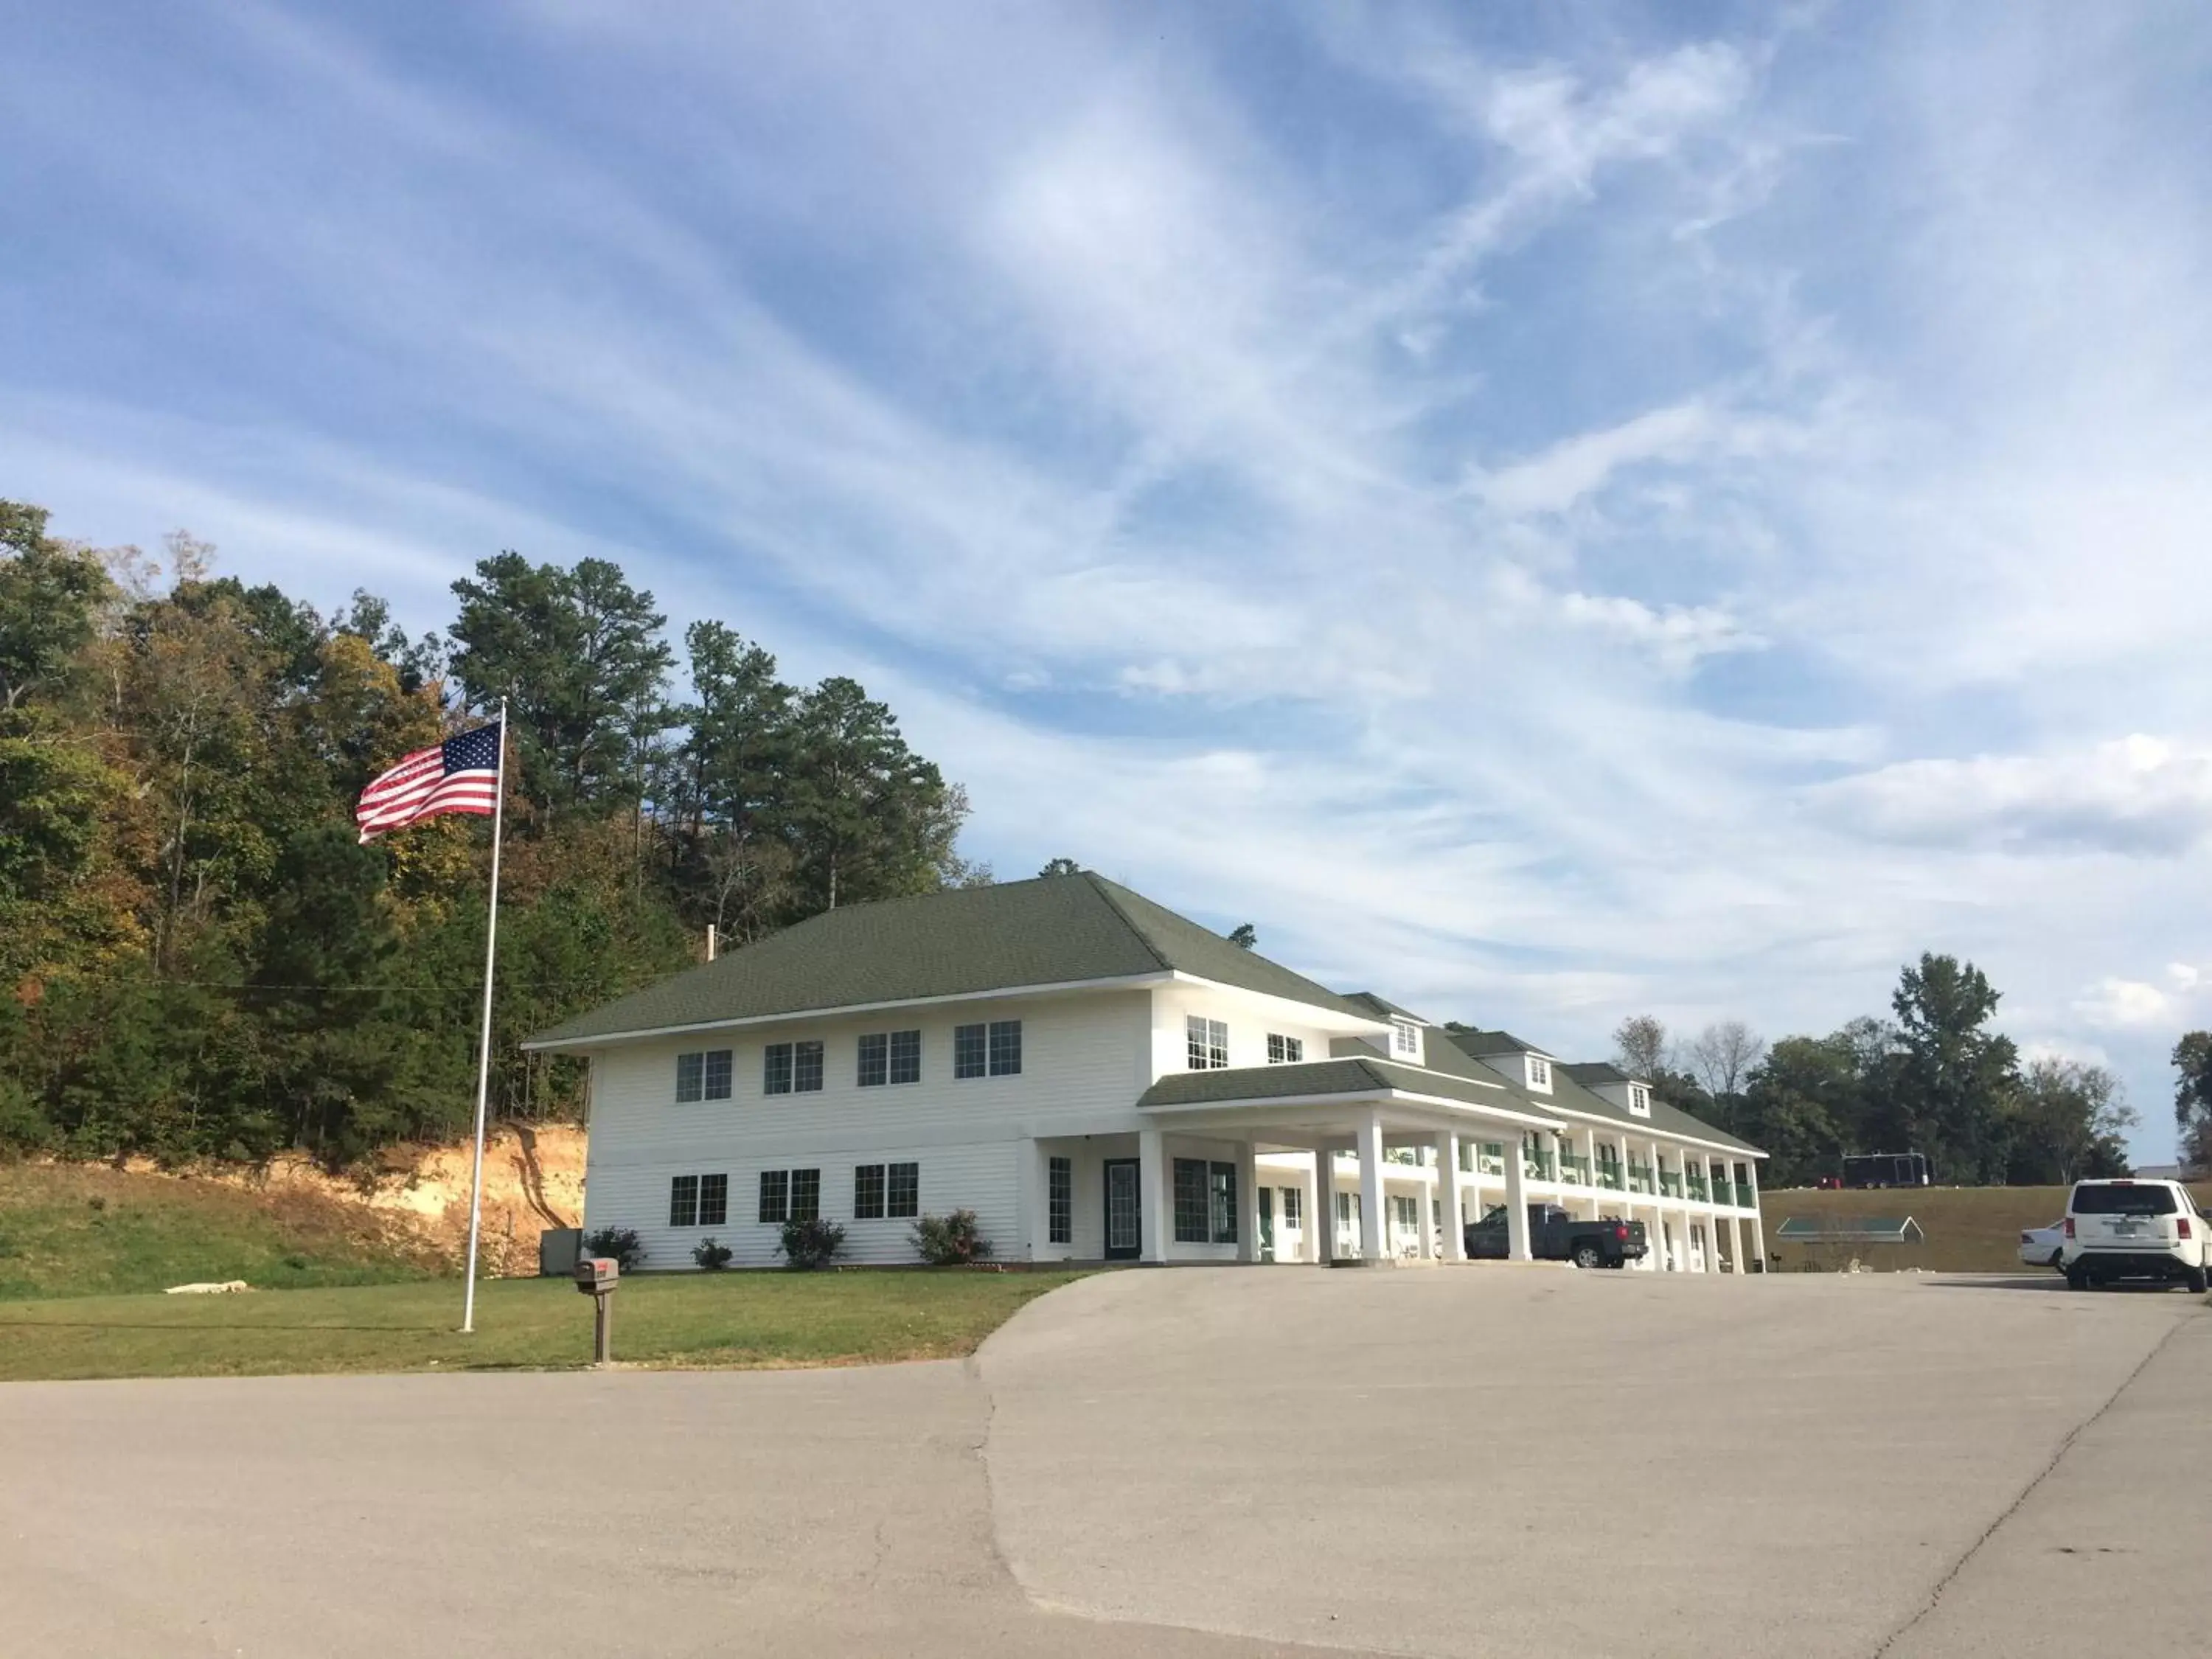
x=1556, y=514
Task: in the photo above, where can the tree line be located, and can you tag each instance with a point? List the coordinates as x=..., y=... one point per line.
x=1934, y=1077
x=198, y=959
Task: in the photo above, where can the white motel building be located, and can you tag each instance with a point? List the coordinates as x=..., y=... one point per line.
x=1099, y=1078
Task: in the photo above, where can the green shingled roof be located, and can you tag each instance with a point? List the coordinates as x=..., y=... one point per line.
x=1352, y=1075
x=1570, y=1093
x=1054, y=930
x=1383, y=1007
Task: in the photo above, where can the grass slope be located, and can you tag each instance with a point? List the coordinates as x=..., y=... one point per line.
x=80, y=1229
x=1970, y=1229
x=740, y=1319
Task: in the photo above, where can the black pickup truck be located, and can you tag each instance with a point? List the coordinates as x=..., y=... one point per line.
x=1555, y=1235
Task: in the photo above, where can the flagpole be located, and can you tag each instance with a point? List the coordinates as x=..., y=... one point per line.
x=483, y=1050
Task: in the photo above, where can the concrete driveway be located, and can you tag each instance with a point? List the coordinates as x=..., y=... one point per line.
x=1192, y=1462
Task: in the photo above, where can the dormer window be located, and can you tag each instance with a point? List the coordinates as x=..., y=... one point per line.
x=1639, y=1100
x=1540, y=1072
x=1405, y=1040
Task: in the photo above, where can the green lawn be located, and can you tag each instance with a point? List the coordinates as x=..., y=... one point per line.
x=82, y=1229
x=735, y=1319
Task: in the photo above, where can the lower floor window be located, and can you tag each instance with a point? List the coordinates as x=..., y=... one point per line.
x=1190, y=1201
x=1405, y=1213
x=790, y=1195
x=903, y=1187
x=886, y=1189
x=698, y=1200
x=1205, y=1202
x=805, y=1195
x=1060, y=1201
x=1294, y=1203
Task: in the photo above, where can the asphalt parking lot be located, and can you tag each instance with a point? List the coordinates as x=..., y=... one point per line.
x=1465, y=1462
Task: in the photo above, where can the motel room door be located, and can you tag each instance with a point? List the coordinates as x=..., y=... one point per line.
x=1125, y=1232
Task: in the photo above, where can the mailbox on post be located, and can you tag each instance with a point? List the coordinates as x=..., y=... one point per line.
x=596, y=1277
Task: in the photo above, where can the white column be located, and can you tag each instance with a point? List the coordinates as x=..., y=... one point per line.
x=1548, y=1152
x=1371, y=1188
x=1248, y=1201
x=1425, y=1244
x=1036, y=1181
x=1316, y=1216
x=1324, y=1198
x=1152, y=1194
x=1589, y=1162
x=1455, y=1222
x=1742, y=1261
x=1758, y=1243
x=1516, y=1205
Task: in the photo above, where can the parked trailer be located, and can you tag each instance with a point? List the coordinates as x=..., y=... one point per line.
x=1886, y=1169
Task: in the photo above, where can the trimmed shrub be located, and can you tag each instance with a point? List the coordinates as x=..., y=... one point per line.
x=808, y=1244
x=621, y=1243
x=712, y=1254
x=950, y=1240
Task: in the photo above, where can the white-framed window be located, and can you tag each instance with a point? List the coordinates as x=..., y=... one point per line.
x=1540, y=1072
x=1404, y=1039
x=1294, y=1207
x=791, y=1068
x=1205, y=1202
x=698, y=1200
x=790, y=1195
x=1060, y=1201
x=702, y=1076
x=1206, y=1043
x=886, y=1191
x=890, y=1057
x=1639, y=1100
x=981, y=1050
x=1285, y=1050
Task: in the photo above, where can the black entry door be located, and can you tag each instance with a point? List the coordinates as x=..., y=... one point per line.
x=1125, y=1231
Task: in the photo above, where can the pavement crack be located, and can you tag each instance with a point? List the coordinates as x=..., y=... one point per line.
x=1935, y=1594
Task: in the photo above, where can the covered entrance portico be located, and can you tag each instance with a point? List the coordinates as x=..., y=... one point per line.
x=1412, y=1149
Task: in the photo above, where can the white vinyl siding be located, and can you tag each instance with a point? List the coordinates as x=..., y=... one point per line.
x=1084, y=1061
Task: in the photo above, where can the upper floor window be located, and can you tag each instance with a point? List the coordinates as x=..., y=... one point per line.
x=1639, y=1100
x=1404, y=1039
x=983, y=1050
x=1285, y=1050
x=1207, y=1041
x=704, y=1076
x=791, y=1068
x=890, y=1057
x=1539, y=1071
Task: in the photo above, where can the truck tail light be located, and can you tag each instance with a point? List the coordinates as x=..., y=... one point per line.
x=2070, y=1226
x=1621, y=1232
x=2182, y=1223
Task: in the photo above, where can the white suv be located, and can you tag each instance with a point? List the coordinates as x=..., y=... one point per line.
x=2135, y=1229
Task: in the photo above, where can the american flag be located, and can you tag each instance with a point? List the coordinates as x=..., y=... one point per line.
x=461, y=774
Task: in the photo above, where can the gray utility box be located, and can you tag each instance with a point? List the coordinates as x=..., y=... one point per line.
x=559, y=1248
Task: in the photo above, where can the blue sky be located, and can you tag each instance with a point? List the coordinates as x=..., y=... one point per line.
x=1553, y=512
